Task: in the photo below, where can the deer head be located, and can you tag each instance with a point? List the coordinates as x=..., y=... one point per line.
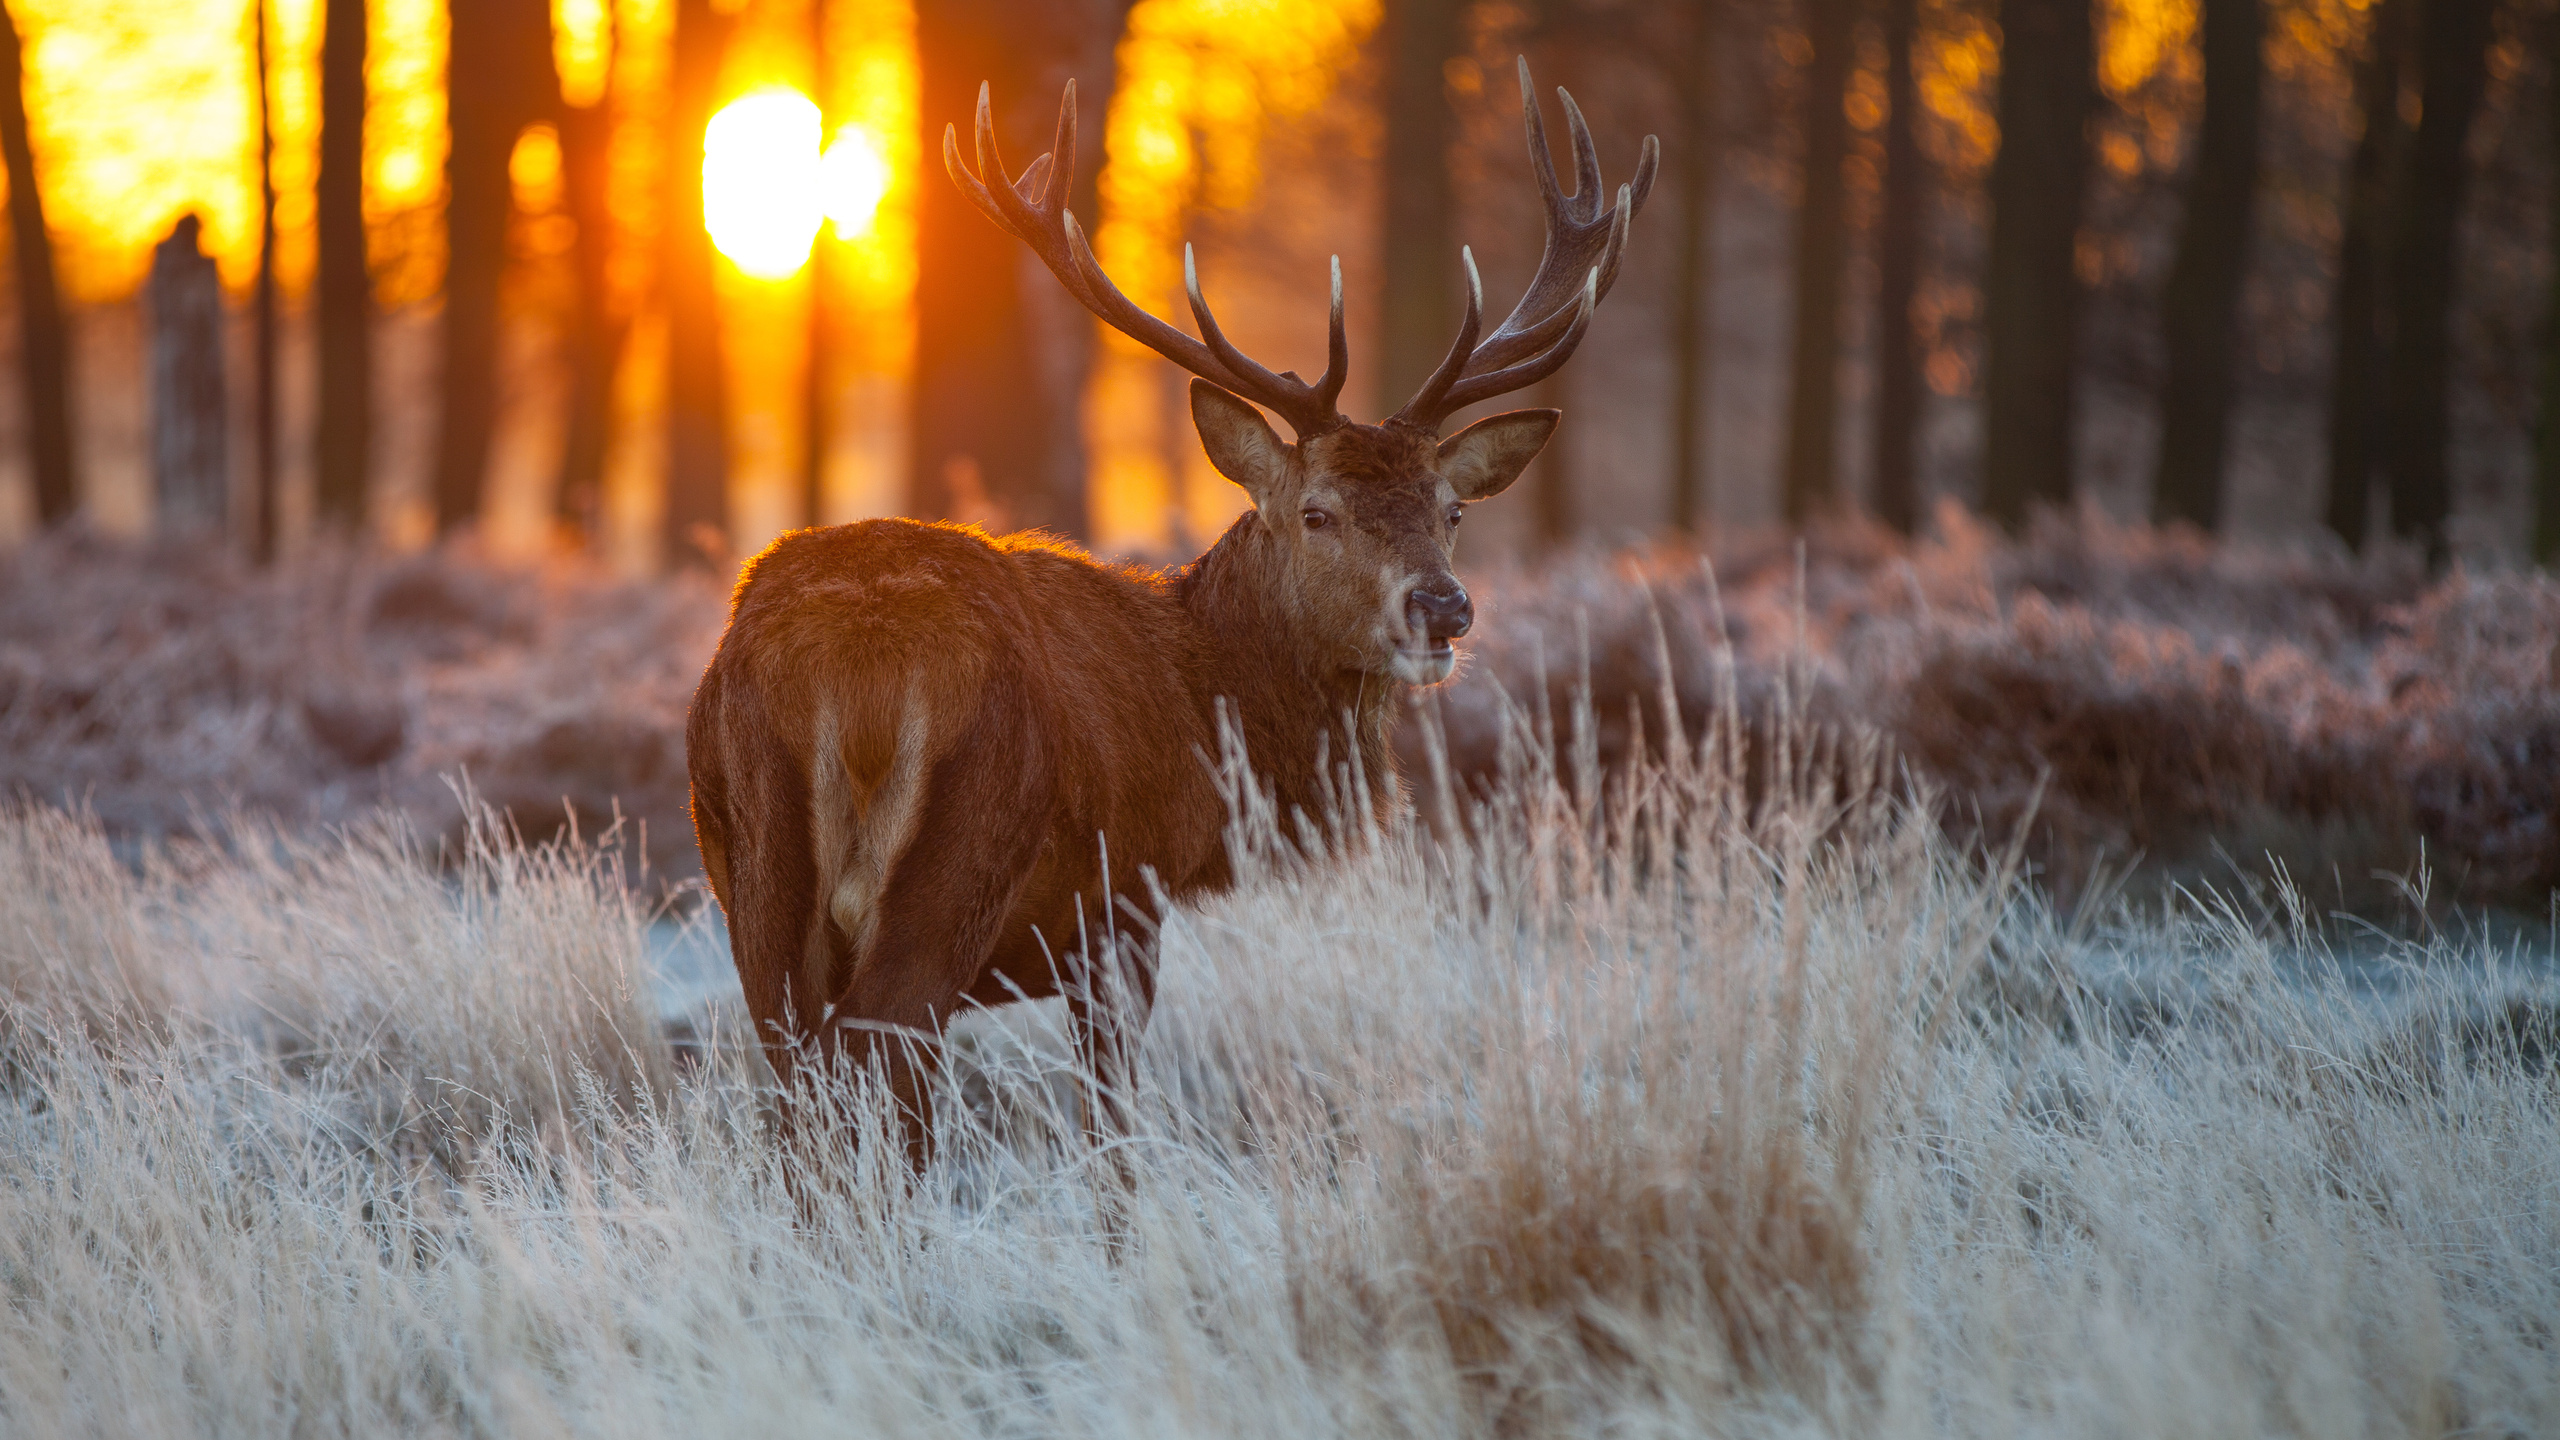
x=1364, y=517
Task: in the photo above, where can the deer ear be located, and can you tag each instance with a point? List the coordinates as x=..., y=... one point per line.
x=1240, y=442
x=1482, y=460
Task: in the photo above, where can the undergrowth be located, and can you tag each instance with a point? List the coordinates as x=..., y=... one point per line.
x=1678, y=1097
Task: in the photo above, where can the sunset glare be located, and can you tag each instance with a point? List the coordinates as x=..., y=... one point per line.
x=853, y=177
x=760, y=182
x=766, y=188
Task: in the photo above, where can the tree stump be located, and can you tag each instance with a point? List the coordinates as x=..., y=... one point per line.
x=190, y=445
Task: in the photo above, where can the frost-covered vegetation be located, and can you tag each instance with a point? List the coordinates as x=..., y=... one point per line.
x=2164, y=709
x=1710, y=1095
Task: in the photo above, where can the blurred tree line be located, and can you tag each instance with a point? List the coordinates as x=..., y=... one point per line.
x=1828, y=95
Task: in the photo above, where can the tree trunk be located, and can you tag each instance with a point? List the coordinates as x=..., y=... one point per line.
x=190, y=406
x=44, y=357
x=2453, y=46
x=2356, y=369
x=2031, y=290
x=502, y=85
x=344, y=287
x=1421, y=290
x=2546, y=510
x=1081, y=40
x=1692, y=296
x=697, y=513
x=262, y=480
x=1822, y=236
x=586, y=138
x=1898, y=232
x=993, y=422
x=817, y=389
x=2200, y=308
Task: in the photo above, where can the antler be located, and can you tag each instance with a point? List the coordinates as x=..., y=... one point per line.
x=1034, y=211
x=1585, y=242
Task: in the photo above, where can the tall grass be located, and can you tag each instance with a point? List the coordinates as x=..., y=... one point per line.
x=1639, y=1102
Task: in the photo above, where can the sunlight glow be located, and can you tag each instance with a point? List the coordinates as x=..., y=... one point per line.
x=853, y=177
x=760, y=190
x=582, y=48
x=1201, y=83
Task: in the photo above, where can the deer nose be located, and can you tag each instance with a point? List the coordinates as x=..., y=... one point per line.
x=1440, y=609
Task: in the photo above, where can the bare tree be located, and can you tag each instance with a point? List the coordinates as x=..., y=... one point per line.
x=2453, y=53
x=1418, y=278
x=44, y=361
x=264, y=455
x=2200, y=308
x=817, y=394
x=2031, y=290
x=1694, y=81
x=500, y=83
x=1898, y=235
x=190, y=400
x=1822, y=243
x=2355, y=307
x=2546, y=510
x=345, y=286
x=597, y=330
x=997, y=378
x=697, y=416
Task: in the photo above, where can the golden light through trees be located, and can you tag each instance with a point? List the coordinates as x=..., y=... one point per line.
x=1200, y=83
x=143, y=110
x=766, y=187
x=760, y=182
x=853, y=178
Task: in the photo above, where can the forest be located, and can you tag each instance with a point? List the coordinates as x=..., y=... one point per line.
x=1989, y=866
x=2263, y=268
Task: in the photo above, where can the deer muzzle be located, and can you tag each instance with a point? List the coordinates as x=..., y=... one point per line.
x=1440, y=610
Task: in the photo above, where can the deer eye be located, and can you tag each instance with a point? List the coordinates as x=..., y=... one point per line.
x=1455, y=515
x=1316, y=519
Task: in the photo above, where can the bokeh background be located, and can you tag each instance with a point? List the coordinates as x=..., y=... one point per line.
x=655, y=280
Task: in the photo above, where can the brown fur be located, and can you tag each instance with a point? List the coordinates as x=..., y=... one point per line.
x=916, y=741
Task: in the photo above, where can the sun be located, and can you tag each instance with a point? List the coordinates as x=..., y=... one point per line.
x=759, y=181
x=766, y=188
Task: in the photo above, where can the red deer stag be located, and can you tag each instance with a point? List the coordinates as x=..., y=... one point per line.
x=921, y=749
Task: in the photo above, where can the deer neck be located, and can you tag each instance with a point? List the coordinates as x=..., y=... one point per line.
x=1287, y=698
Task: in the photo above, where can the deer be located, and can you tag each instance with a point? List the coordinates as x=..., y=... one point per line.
x=926, y=761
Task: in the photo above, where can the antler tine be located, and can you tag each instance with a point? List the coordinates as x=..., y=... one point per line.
x=1586, y=241
x=1538, y=367
x=1010, y=203
x=1542, y=161
x=1303, y=405
x=1243, y=365
x=990, y=158
x=1062, y=176
x=1003, y=204
x=1337, y=349
x=1586, y=158
x=1427, y=408
x=1034, y=211
x=1582, y=230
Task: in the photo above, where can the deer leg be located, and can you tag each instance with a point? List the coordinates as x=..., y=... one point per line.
x=947, y=898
